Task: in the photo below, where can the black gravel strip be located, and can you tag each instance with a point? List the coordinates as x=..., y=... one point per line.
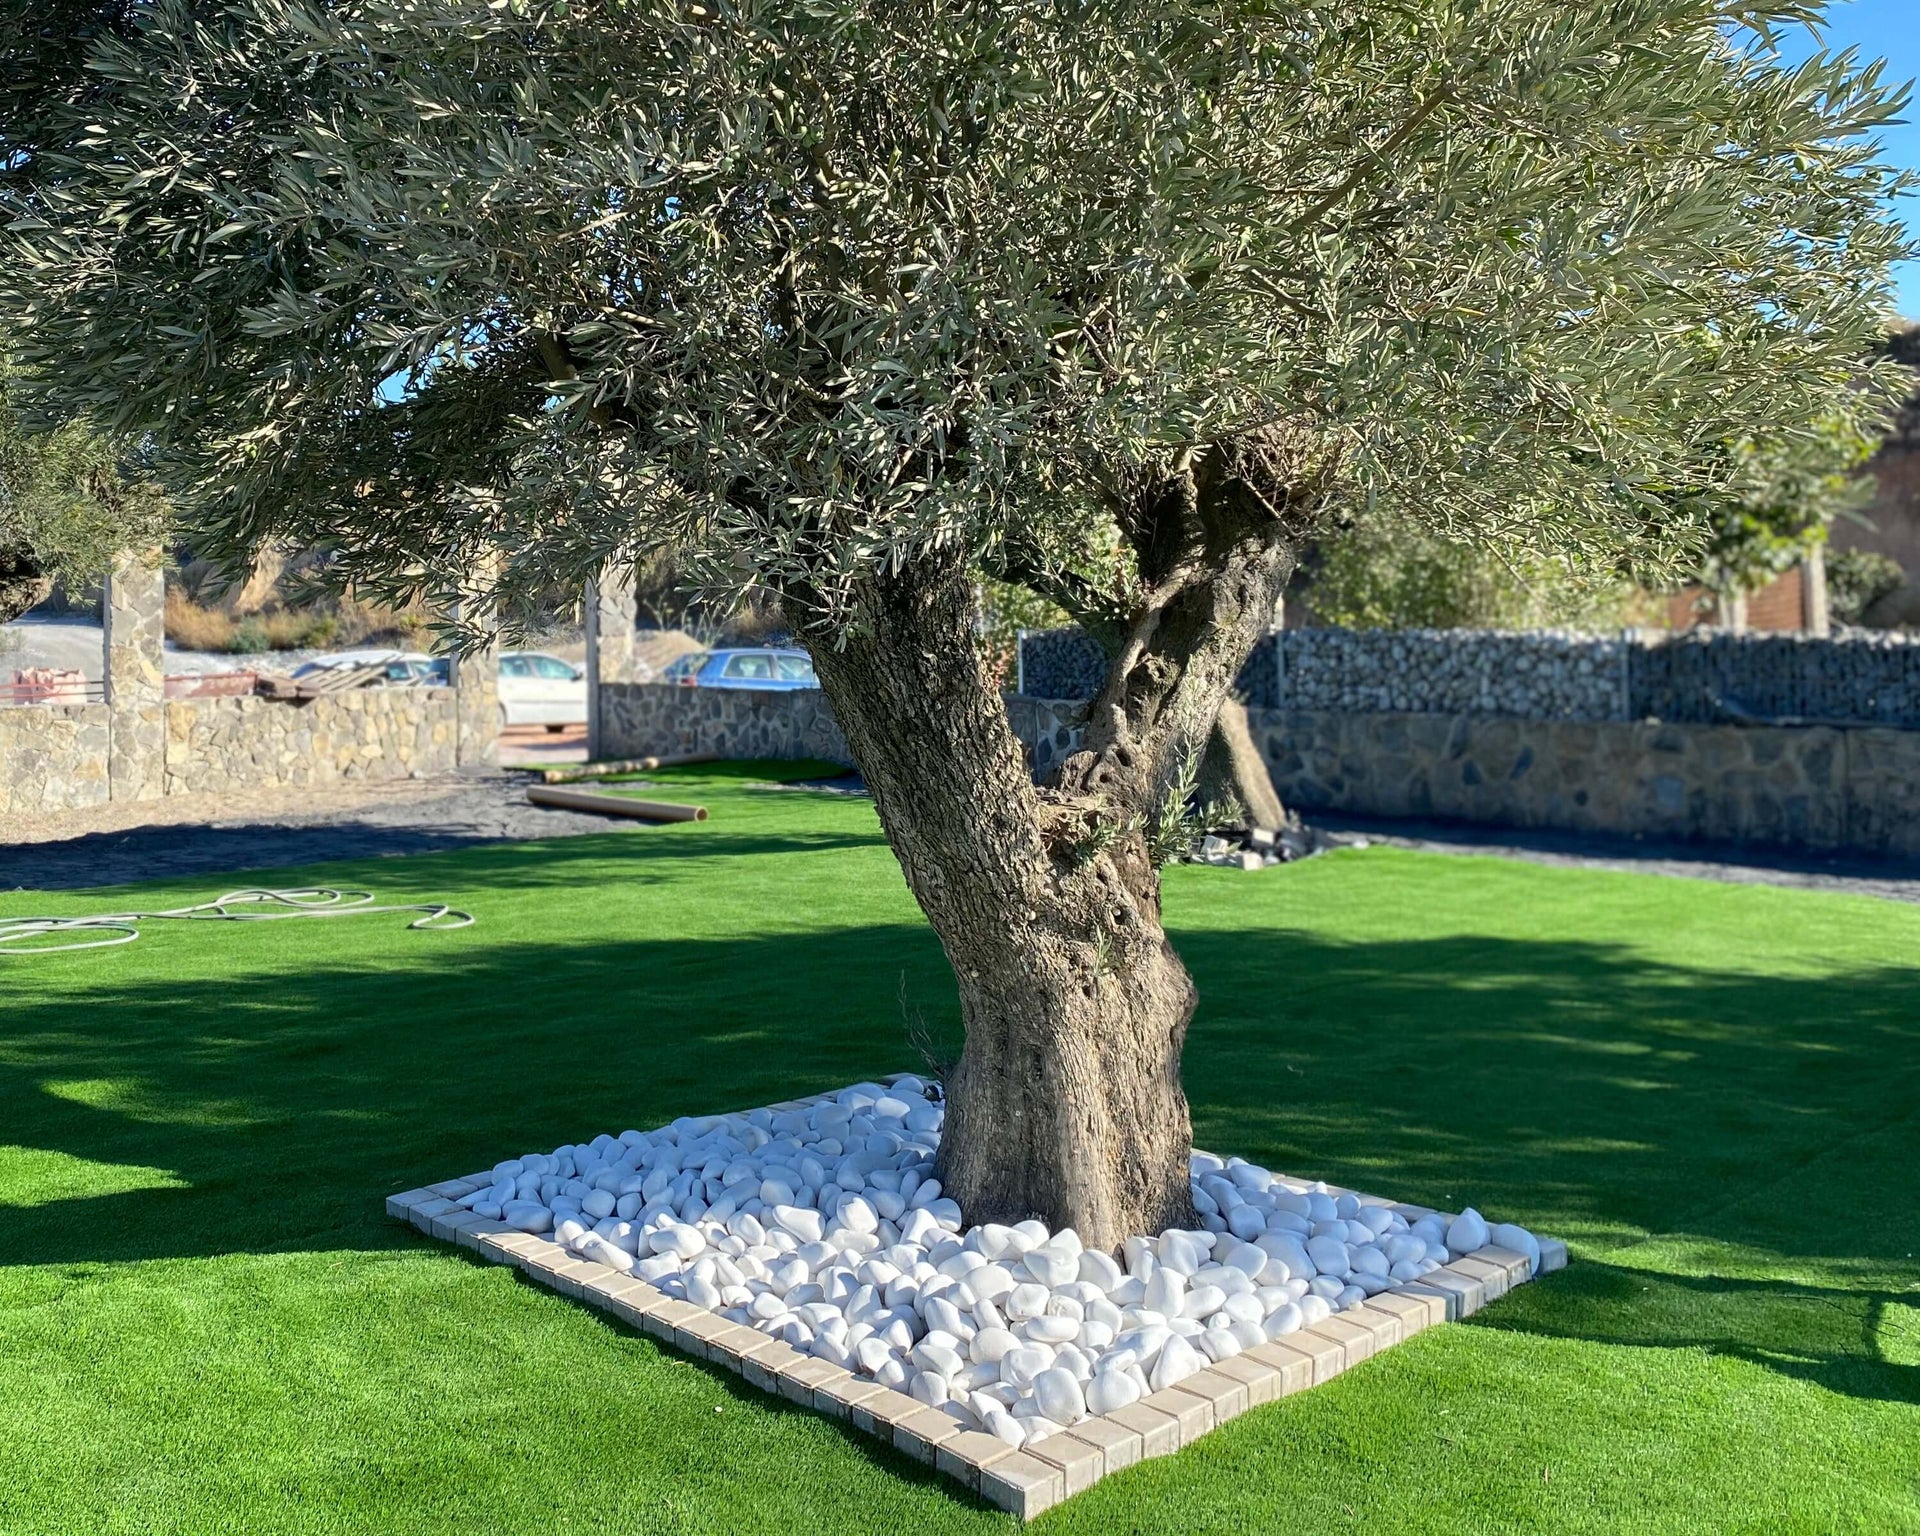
x=1890, y=879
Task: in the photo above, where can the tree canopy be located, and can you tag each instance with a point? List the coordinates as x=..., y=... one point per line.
x=69, y=501
x=807, y=287
x=850, y=300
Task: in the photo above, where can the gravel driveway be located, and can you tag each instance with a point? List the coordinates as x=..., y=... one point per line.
x=203, y=834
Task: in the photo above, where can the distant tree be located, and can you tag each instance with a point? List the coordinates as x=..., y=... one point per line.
x=1778, y=501
x=1394, y=572
x=1859, y=578
x=848, y=302
x=69, y=502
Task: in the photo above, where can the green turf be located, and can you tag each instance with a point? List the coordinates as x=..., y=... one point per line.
x=206, y=1324
x=743, y=773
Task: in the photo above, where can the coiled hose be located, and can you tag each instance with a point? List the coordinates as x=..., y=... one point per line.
x=58, y=935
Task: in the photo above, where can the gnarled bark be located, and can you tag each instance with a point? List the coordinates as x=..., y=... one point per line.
x=23, y=584
x=1066, y=1102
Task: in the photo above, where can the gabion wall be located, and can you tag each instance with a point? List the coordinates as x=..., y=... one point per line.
x=1534, y=676
x=1868, y=679
x=1066, y=664
x=1858, y=678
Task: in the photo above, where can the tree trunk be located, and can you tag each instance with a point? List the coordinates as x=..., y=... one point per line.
x=1234, y=770
x=1066, y=1103
x=23, y=584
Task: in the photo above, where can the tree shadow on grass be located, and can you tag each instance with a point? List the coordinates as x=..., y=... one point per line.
x=1573, y=1087
x=1830, y=1336
x=97, y=861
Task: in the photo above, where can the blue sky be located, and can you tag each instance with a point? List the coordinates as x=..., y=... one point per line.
x=1889, y=29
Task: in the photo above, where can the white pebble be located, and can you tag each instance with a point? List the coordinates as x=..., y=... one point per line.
x=1111, y=1390
x=1059, y=1396
x=1177, y=1361
x=1520, y=1241
x=1024, y=1301
x=824, y=1227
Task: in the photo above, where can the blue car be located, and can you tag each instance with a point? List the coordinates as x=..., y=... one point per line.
x=770, y=669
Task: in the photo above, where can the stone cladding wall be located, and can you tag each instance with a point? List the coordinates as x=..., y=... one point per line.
x=1853, y=790
x=370, y=733
x=666, y=720
x=53, y=757
x=1806, y=787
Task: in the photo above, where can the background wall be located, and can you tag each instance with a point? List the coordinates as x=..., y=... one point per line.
x=372, y=733
x=1814, y=788
x=1808, y=787
x=1859, y=678
x=140, y=745
x=53, y=757
x=663, y=720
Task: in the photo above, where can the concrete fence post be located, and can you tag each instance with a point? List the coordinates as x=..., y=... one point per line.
x=610, y=616
x=1814, y=616
x=474, y=672
x=135, y=667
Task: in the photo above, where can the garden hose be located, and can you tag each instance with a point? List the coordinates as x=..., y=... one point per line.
x=22, y=935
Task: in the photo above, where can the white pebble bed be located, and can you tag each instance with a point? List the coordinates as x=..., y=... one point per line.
x=823, y=1226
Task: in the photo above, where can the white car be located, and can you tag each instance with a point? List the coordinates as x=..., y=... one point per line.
x=538, y=689
x=403, y=667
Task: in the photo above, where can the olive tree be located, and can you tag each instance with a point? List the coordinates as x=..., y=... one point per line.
x=70, y=499
x=848, y=301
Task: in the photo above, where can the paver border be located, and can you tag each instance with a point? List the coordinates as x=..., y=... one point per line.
x=1030, y=1479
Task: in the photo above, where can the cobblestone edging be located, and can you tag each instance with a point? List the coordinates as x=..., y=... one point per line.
x=1031, y=1479
x=1704, y=679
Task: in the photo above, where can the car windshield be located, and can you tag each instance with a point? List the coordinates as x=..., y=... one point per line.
x=551, y=666
x=795, y=669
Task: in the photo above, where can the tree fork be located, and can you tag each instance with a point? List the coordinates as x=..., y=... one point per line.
x=1066, y=1102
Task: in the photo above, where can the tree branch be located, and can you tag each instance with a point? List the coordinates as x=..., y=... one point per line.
x=1429, y=104
x=1236, y=515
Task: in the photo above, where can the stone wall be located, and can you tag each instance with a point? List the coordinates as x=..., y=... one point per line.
x=135, y=640
x=666, y=720
x=1050, y=729
x=1541, y=675
x=139, y=745
x=217, y=745
x=53, y=757
x=1860, y=677
x=1856, y=790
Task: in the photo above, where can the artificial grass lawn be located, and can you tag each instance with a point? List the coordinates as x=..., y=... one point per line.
x=206, y=1323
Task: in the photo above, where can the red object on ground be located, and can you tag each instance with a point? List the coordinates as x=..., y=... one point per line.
x=211, y=685
x=48, y=685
